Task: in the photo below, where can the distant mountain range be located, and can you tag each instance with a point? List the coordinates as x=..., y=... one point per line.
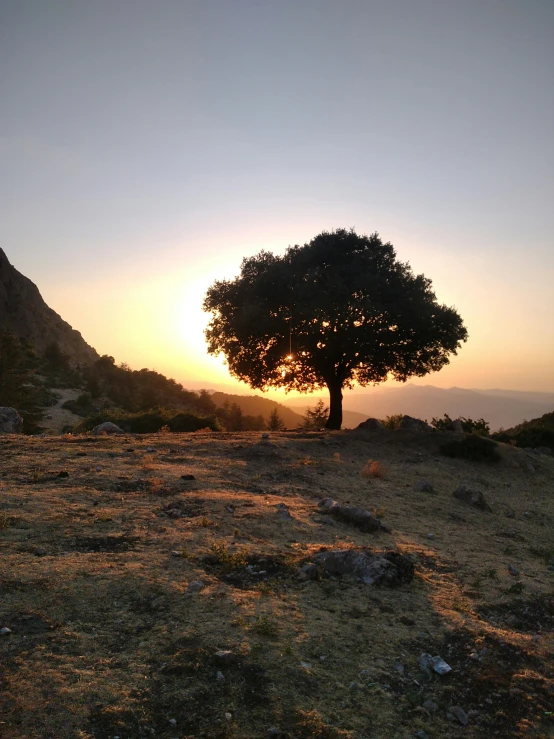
x=501, y=408
x=24, y=313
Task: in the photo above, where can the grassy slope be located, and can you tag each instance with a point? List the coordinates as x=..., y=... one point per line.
x=106, y=641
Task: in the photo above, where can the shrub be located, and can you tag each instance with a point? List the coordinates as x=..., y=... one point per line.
x=479, y=427
x=473, y=448
x=149, y=422
x=392, y=422
x=373, y=470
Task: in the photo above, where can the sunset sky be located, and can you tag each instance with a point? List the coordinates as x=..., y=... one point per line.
x=146, y=147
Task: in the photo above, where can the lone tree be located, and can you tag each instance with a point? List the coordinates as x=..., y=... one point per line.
x=337, y=311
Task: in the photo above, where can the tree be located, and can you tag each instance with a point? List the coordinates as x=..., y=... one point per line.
x=275, y=422
x=19, y=387
x=337, y=311
x=316, y=417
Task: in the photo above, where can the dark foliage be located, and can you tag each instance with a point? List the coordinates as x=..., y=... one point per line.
x=534, y=433
x=339, y=310
x=19, y=385
x=149, y=422
x=479, y=427
x=473, y=448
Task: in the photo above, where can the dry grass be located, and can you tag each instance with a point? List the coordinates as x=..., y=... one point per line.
x=373, y=470
x=108, y=641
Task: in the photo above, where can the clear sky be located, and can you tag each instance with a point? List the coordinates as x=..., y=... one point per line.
x=146, y=147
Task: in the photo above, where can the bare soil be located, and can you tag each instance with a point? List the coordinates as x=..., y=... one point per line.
x=107, y=640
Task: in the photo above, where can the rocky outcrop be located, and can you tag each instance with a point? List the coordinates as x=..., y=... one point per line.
x=107, y=428
x=371, y=424
x=10, y=421
x=414, y=424
x=24, y=313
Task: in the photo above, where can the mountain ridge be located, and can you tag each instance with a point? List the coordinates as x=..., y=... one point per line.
x=24, y=313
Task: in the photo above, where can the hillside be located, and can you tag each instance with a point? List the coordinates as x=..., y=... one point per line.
x=24, y=313
x=137, y=602
x=255, y=405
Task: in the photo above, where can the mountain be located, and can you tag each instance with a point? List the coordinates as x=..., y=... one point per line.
x=254, y=405
x=24, y=313
x=501, y=408
x=426, y=401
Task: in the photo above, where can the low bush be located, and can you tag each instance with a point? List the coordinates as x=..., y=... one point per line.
x=473, y=448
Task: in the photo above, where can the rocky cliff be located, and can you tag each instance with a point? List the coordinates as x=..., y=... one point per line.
x=25, y=314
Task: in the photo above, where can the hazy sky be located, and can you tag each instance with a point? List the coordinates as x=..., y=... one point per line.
x=146, y=147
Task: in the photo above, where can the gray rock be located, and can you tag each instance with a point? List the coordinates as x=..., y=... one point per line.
x=460, y=714
x=513, y=570
x=358, y=517
x=388, y=568
x=437, y=664
x=457, y=426
x=273, y=732
x=474, y=498
x=430, y=706
x=195, y=586
x=430, y=535
x=371, y=424
x=422, y=486
x=265, y=436
x=107, y=428
x=283, y=512
x=414, y=424
x=4, y=631
x=420, y=734
x=40, y=552
x=220, y=677
x=543, y=450
x=531, y=467
x=10, y=421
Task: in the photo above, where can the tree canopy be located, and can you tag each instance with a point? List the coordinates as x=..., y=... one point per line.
x=339, y=310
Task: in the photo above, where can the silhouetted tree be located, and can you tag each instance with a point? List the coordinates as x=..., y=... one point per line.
x=316, y=417
x=19, y=387
x=275, y=422
x=337, y=311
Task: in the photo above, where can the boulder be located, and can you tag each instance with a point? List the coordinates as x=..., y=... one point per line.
x=543, y=450
x=472, y=497
x=414, y=424
x=107, y=428
x=371, y=568
x=457, y=426
x=371, y=424
x=358, y=517
x=10, y=421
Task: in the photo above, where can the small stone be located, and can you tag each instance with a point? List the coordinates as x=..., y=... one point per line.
x=472, y=714
x=228, y=716
x=283, y=512
x=230, y=509
x=150, y=449
x=220, y=677
x=188, y=477
x=265, y=436
x=40, y=552
x=354, y=686
x=322, y=657
x=306, y=665
x=4, y=631
x=273, y=732
x=422, y=734
x=531, y=467
x=460, y=714
x=173, y=721
x=430, y=706
x=63, y=473
x=431, y=536
x=175, y=553
x=399, y=667
x=195, y=586
x=99, y=469
x=513, y=570
x=510, y=513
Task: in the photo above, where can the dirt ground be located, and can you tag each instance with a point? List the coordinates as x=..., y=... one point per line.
x=121, y=580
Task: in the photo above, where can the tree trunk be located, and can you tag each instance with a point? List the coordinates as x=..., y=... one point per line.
x=334, y=421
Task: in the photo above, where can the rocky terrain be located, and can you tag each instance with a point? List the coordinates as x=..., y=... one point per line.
x=187, y=585
x=24, y=313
